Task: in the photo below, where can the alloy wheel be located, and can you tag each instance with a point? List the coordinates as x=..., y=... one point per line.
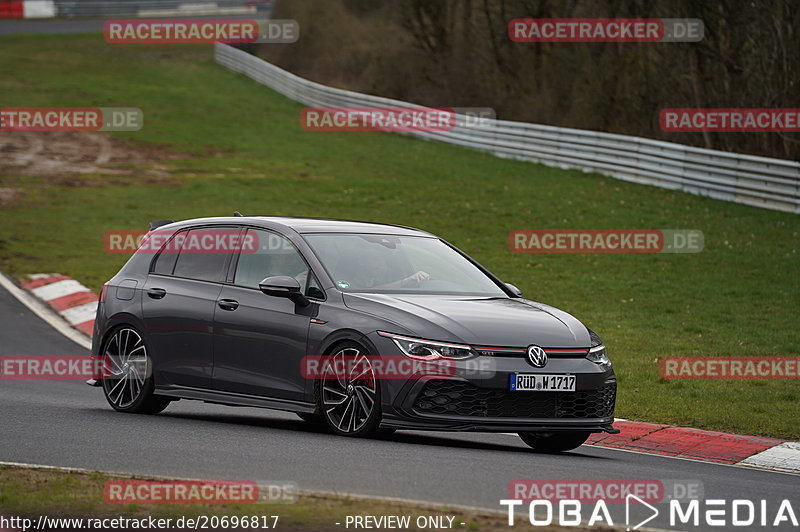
x=126, y=368
x=349, y=390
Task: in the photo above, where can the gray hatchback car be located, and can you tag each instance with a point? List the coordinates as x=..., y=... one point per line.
x=363, y=327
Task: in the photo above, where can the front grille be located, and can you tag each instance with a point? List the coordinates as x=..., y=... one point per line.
x=456, y=398
x=552, y=352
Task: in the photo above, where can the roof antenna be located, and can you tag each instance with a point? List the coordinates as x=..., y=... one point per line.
x=237, y=214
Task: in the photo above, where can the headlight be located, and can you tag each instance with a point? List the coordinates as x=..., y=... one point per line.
x=427, y=349
x=597, y=353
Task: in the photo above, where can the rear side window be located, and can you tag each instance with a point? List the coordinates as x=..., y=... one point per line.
x=165, y=261
x=197, y=260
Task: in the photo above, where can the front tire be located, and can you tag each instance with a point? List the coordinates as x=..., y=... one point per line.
x=554, y=442
x=348, y=393
x=128, y=374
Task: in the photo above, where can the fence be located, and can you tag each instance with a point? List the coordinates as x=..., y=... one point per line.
x=750, y=180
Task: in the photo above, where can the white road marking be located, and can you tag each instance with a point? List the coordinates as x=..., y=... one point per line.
x=81, y=313
x=785, y=456
x=39, y=8
x=58, y=289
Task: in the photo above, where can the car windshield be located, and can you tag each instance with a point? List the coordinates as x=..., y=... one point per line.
x=399, y=264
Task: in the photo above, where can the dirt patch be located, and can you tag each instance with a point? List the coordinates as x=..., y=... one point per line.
x=66, y=155
x=8, y=196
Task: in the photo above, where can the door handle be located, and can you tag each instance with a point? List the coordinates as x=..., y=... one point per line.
x=228, y=304
x=156, y=293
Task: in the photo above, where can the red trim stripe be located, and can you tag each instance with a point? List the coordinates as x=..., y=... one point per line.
x=504, y=349
x=518, y=350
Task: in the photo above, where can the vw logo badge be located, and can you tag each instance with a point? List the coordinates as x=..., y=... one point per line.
x=537, y=356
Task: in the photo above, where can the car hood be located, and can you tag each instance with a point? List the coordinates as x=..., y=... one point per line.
x=485, y=321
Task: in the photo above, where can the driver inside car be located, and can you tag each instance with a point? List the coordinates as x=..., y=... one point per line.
x=372, y=270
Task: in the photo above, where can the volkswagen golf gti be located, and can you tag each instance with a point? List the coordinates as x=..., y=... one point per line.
x=318, y=316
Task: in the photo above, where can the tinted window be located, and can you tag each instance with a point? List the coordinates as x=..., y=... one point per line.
x=165, y=262
x=266, y=254
x=389, y=263
x=197, y=260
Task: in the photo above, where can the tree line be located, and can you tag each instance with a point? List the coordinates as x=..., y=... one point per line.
x=457, y=53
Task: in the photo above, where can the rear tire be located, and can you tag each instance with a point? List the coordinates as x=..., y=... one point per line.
x=554, y=442
x=128, y=374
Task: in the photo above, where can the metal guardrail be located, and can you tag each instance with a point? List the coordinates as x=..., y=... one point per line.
x=750, y=180
x=155, y=8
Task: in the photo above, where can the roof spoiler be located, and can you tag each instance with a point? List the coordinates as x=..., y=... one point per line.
x=155, y=225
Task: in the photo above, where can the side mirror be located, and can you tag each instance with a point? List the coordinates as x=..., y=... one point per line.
x=283, y=286
x=514, y=289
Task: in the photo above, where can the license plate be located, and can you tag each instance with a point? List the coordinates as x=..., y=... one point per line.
x=536, y=382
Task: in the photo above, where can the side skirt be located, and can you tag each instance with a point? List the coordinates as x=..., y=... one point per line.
x=233, y=399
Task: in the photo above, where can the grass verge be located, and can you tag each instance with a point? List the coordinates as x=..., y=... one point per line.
x=63, y=496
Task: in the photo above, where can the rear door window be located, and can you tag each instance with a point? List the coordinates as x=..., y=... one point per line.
x=204, y=252
x=165, y=261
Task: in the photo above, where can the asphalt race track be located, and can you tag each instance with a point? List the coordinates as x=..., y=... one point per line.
x=66, y=423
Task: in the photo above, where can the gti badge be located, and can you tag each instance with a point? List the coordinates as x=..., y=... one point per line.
x=537, y=356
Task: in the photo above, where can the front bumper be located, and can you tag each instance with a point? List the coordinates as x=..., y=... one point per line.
x=480, y=400
x=463, y=405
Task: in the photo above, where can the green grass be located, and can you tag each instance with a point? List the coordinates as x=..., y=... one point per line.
x=30, y=493
x=242, y=149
